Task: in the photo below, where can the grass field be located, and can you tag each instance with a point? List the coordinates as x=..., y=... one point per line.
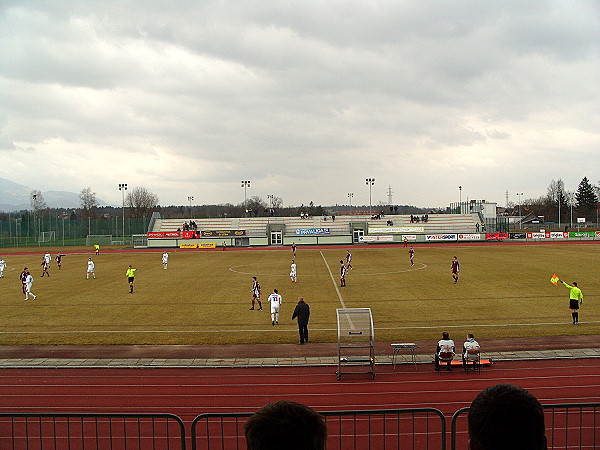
x=204, y=296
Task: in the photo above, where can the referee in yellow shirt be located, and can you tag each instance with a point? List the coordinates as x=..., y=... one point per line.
x=130, y=274
x=575, y=300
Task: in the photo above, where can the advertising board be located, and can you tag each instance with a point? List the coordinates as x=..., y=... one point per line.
x=376, y=239
x=163, y=234
x=395, y=230
x=496, y=236
x=469, y=237
x=223, y=233
x=441, y=237
x=312, y=231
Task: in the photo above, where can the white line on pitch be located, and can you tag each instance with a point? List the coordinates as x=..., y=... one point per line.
x=333, y=281
x=269, y=330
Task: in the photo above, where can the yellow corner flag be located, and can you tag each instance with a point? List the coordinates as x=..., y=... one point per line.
x=554, y=279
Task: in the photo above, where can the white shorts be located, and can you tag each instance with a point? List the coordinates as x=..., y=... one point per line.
x=274, y=308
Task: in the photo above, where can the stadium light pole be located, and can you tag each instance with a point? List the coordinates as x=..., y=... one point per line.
x=123, y=188
x=350, y=195
x=460, y=199
x=190, y=199
x=245, y=185
x=33, y=197
x=520, y=197
x=370, y=182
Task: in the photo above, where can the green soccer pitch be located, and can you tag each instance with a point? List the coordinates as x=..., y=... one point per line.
x=204, y=296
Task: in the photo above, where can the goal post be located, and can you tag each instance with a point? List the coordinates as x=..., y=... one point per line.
x=100, y=239
x=47, y=236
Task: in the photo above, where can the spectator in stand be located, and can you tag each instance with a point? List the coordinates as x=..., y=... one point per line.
x=285, y=425
x=505, y=416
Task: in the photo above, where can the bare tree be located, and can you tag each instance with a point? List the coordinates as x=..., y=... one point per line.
x=277, y=202
x=87, y=200
x=37, y=201
x=141, y=202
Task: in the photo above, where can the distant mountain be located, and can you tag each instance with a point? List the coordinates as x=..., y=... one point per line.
x=15, y=197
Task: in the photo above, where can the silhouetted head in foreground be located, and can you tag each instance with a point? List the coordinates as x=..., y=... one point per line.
x=285, y=425
x=505, y=416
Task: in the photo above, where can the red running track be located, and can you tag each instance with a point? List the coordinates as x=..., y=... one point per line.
x=189, y=392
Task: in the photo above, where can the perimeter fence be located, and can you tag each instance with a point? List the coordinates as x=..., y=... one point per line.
x=25, y=231
x=574, y=425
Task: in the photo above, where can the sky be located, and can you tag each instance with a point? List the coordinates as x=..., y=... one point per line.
x=304, y=99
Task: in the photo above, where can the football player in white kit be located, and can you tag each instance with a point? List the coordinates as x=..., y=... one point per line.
x=2, y=266
x=275, y=301
x=293, y=272
x=28, y=283
x=90, y=269
x=165, y=260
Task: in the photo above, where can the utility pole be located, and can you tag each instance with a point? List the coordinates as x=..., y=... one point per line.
x=390, y=200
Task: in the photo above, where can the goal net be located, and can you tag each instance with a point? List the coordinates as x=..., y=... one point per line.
x=47, y=236
x=100, y=239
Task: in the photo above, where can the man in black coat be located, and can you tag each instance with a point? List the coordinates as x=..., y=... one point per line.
x=302, y=312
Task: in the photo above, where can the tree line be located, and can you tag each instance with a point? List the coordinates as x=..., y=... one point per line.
x=556, y=206
x=559, y=203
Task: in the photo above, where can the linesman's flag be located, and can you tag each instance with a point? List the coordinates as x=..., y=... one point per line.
x=554, y=279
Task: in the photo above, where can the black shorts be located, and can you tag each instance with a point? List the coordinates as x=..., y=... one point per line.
x=573, y=304
x=130, y=279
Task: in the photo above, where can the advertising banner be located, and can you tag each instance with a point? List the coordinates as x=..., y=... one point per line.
x=311, y=231
x=582, y=234
x=189, y=234
x=188, y=245
x=557, y=234
x=496, y=236
x=536, y=235
x=207, y=245
x=163, y=234
x=223, y=233
x=598, y=234
x=409, y=237
x=395, y=230
x=517, y=235
x=376, y=239
x=469, y=237
x=441, y=237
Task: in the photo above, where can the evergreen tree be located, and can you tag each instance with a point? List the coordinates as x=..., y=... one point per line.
x=587, y=199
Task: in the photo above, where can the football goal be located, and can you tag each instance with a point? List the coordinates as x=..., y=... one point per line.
x=100, y=239
x=47, y=236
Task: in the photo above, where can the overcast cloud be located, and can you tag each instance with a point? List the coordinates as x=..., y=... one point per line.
x=304, y=98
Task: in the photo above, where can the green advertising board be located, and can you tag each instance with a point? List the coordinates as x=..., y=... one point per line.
x=582, y=234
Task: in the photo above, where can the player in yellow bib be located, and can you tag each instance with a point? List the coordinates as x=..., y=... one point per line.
x=97, y=249
x=130, y=274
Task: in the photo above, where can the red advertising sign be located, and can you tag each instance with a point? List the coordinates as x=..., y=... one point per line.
x=163, y=234
x=496, y=236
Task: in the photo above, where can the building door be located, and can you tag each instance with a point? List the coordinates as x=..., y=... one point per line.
x=276, y=237
x=356, y=235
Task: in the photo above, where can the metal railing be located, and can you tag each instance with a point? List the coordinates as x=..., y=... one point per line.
x=416, y=428
x=572, y=425
x=575, y=425
x=91, y=431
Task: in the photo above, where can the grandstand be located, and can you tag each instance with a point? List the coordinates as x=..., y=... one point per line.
x=346, y=229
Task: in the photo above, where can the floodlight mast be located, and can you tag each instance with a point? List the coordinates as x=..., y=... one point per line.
x=123, y=188
x=190, y=199
x=245, y=185
x=370, y=182
x=350, y=195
